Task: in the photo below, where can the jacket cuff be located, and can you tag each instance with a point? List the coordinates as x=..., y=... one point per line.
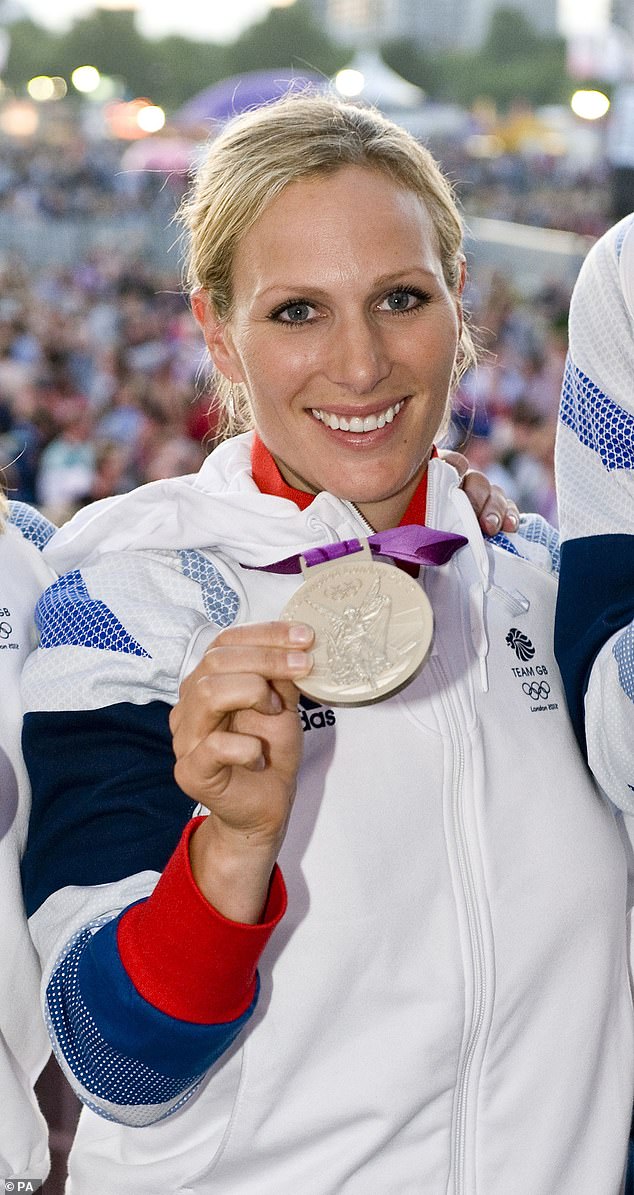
x=183, y=956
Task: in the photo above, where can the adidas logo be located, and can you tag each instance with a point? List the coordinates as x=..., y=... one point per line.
x=313, y=715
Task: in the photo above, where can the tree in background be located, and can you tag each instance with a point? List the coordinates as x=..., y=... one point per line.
x=515, y=59
x=286, y=37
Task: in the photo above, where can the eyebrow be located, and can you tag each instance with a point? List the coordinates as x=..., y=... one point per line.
x=395, y=278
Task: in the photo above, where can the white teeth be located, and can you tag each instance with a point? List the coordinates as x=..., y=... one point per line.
x=356, y=424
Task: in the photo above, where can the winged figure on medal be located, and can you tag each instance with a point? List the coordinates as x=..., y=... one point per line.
x=356, y=638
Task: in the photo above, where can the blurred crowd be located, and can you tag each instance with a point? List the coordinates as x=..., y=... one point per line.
x=102, y=378
x=74, y=178
x=98, y=382
x=541, y=190
x=505, y=412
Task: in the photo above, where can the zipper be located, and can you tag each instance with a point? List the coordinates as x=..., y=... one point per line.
x=351, y=506
x=476, y=935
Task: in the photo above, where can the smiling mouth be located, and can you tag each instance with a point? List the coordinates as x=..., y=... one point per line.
x=356, y=424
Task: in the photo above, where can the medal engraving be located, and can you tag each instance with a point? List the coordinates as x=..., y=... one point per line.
x=373, y=628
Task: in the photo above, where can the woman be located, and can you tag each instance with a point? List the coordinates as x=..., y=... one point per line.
x=24, y=1045
x=447, y=980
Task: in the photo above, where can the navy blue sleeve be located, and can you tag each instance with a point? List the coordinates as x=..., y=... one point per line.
x=595, y=599
x=109, y=807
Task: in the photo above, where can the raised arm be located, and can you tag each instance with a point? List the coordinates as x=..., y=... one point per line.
x=146, y=984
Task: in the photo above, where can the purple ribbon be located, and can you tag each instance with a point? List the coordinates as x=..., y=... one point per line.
x=412, y=544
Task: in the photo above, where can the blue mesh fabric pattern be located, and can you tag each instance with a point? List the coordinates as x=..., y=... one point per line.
x=103, y=1071
x=66, y=615
x=597, y=421
x=221, y=603
x=537, y=531
x=502, y=541
x=33, y=525
x=623, y=652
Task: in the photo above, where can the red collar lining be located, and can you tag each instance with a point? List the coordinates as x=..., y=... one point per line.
x=269, y=480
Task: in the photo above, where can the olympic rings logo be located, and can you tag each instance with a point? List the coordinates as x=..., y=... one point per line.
x=537, y=691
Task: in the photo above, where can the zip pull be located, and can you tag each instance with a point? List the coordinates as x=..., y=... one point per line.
x=478, y=631
x=515, y=602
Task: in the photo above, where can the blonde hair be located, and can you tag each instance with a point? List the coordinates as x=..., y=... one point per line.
x=4, y=510
x=260, y=153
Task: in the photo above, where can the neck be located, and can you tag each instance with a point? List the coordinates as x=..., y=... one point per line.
x=273, y=476
x=389, y=512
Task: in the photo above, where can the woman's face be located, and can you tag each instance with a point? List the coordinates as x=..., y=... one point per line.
x=344, y=333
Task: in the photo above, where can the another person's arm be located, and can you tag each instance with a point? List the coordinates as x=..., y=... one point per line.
x=595, y=482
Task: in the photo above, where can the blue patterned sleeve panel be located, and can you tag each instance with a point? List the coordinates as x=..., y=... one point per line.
x=534, y=540
x=127, y=1061
x=34, y=526
x=119, y=629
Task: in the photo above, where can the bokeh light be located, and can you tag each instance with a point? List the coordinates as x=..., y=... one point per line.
x=349, y=82
x=85, y=79
x=150, y=118
x=590, y=105
x=19, y=118
x=132, y=119
x=43, y=88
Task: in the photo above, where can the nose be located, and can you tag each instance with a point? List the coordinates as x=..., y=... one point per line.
x=359, y=358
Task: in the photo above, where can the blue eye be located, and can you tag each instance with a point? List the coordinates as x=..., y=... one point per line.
x=298, y=311
x=404, y=300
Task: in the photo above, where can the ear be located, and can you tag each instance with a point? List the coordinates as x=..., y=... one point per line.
x=461, y=285
x=463, y=275
x=217, y=336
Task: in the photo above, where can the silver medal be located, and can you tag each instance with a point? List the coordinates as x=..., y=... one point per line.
x=373, y=628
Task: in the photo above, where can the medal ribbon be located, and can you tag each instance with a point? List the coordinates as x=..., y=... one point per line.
x=412, y=544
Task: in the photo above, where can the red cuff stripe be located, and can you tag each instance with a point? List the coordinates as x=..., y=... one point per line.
x=183, y=956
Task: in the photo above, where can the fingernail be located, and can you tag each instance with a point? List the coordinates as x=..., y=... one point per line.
x=493, y=522
x=300, y=632
x=512, y=518
x=299, y=661
x=259, y=764
x=276, y=702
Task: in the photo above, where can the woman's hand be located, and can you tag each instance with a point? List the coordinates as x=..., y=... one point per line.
x=495, y=511
x=238, y=743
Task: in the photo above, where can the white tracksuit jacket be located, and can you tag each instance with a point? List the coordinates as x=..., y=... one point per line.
x=24, y=1045
x=595, y=483
x=445, y=1008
